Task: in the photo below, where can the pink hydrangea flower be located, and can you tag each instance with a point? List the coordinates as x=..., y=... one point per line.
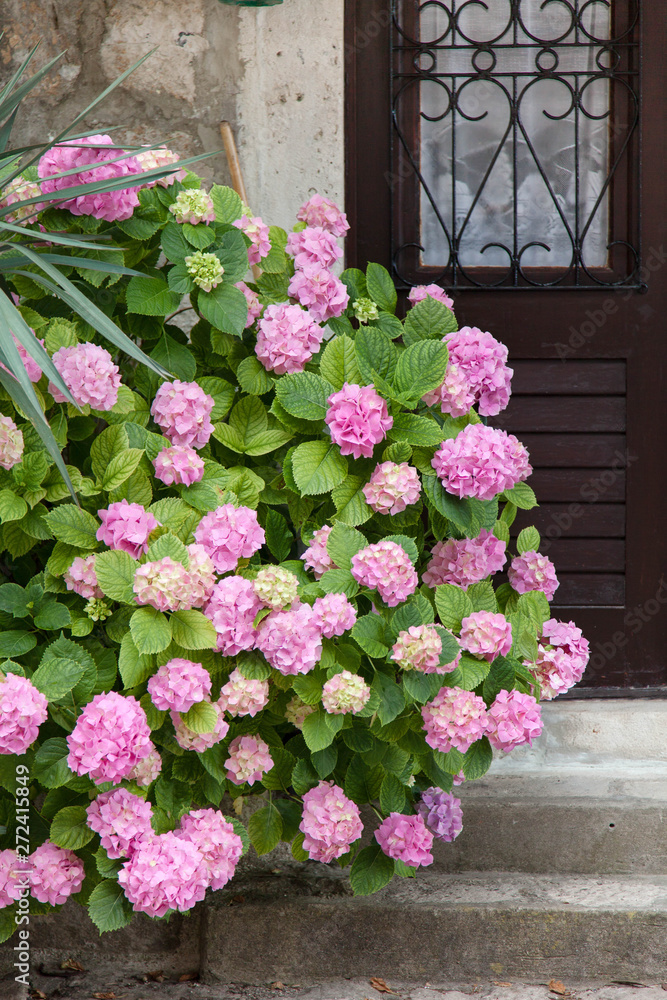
x=441, y=813
x=287, y=338
x=188, y=739
x=178, y=464
x=419, y=648
x=319, y=291
x=241, y=696
x=33, y=371
x=14, y=877
x=228, y=534
x=296, y=711
x=482, y=361
x=392, y=488
x=90, y=375
x=459, y=778
x=232, y=610
x=82, y=579
x=481, y=462
x=22, y=711
x=291, y=640
x=453, y=395
x=275, y=587
x=153, y=159
x=421, y=292
x=123, y=821
x=126, y=526
x=562, y=655
x=514, y=720
x=406, y=839
x=316, y=557
x=385, y=567
x=486, y=634
x=358, y=419
x=147, y=770
x=254, y=305
x=178, y=685
x=164, y=584
x=165, y=873
x=21, y=190
x=331, y=822
x=334, y=614
x=109, y=739
x=313, y=246
x=455, y=718
x=91, y=155
x=202, y=575
x=249, y=760
x=344, y=693
x=193, y=206
x=56, y=874
x=258, y=234
x=183, y=410
x=216, y=841
x=533, y=571
x=465, y=561
x=324, y=213
x=11, y=443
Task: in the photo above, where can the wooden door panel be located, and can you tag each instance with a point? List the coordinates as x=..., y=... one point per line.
x=589, y=388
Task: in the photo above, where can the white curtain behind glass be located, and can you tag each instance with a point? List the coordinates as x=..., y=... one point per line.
x=537, y=215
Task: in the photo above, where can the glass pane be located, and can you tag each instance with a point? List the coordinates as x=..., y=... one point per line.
x=517, y=156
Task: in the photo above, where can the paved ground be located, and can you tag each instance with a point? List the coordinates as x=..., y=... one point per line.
x=100, y=986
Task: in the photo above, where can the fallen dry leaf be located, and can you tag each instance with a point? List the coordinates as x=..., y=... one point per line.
x=236, y=899
x=277, y=986
x=556, y=986
x=72, y=964
x=496, y=982
x=188, y=977
x=105, y=996
x=381, y=986
x=156, y=977
x=37, y=995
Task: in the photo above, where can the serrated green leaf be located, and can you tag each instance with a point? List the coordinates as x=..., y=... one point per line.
x=304, y=395
x=16, y=643
x=225, y=308
x=115, y=572
x=50, y=763
x=371, y=632
x=12, y=507
x=428, y=320
x=380, y=287
x=350, y=501
x=253, y=376
x=344, y=542
x=62, y=666
x=521, y=496
x=528, y=540
x=338, y=363
x=371, y=871
x=392, y=795
x=121, y=468
x=135, y=667
x=421, y=368
x=176, y=358
x=74, y=526
x=452, y=605
x=193, y=630
x=411, y=429
x=318, y=467
x=108, y=907
x=150, y=630
x=150, y=296
x=69, y=828
x=376, y=354
x=265, y=828
x=202, y=717
x=478, y=759
x=319, y=729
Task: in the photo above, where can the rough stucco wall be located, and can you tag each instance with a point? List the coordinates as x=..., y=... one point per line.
x=290, y=105
x=178, y=96
x=276, y=73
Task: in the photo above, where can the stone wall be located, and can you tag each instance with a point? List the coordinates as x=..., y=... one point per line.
x=276, y=73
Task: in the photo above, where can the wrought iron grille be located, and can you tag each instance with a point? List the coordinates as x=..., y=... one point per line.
x=517, y=150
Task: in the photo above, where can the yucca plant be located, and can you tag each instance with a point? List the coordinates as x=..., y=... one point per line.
x=24, y=252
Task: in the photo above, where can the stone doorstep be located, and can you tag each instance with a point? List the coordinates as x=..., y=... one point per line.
x=586, y=820
x=302, y=924
x=441, y=926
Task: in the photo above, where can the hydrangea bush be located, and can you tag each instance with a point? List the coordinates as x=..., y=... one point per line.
x=276, y=586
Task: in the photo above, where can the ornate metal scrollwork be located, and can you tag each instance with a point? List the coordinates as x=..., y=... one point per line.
x=517, y=125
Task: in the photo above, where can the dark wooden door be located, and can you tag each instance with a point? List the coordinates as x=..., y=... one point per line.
x=586, y=336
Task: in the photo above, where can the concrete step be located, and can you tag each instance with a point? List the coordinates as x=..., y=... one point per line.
x=455, y=927
x=584, y=819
